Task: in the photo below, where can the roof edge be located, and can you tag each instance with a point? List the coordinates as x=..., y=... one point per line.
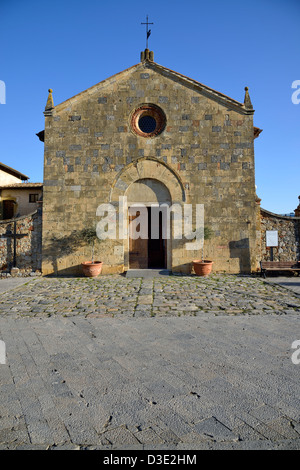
x=64, y=103
x=14, y=172
x=202, y=87
x=272, y=214
x=164, y=70
x=21, y=185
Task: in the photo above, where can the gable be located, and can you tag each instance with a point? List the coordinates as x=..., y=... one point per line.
x=98, y=131
x=106, y=113
x=155, y=73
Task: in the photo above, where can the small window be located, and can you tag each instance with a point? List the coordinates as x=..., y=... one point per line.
x=148, y=120
x=33, y=197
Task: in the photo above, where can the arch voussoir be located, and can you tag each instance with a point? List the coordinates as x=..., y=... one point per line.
x=152, y=169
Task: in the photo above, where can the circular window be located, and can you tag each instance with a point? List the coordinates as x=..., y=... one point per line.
x=147, y=124
x=148, y=120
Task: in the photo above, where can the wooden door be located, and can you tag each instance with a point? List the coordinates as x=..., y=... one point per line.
x=138, y=248
x=8, y=209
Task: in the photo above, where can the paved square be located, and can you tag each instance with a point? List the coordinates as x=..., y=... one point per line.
x=173, y=362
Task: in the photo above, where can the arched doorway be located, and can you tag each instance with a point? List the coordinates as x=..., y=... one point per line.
x=147, y=180
x=148, y=200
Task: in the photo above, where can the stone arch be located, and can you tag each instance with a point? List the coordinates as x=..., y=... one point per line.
x=152, y=169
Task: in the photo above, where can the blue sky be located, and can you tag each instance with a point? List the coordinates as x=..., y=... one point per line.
x=70, y=45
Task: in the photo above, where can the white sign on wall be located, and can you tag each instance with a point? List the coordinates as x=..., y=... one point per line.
x=271, y=238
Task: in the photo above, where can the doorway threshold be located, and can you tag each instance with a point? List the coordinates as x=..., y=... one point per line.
x=147, y=273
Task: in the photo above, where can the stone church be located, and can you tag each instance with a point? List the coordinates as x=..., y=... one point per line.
x=155, y=137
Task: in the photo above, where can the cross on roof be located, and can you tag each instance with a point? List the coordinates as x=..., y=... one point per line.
x=148, y=31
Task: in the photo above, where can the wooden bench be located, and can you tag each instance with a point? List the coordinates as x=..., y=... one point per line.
x=278, y=266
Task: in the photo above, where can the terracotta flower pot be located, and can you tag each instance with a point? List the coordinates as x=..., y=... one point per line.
x=91, y=269
x=202, y=267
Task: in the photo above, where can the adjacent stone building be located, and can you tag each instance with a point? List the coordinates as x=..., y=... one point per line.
x=154, y=136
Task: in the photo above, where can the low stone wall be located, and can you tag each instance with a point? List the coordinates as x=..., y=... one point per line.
x=28, y=245
x=288, y=236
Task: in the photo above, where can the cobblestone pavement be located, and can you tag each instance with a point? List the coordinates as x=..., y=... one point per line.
x=137, y=297
x=173, y=362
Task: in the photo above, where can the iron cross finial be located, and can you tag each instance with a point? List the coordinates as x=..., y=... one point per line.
x=148, y=31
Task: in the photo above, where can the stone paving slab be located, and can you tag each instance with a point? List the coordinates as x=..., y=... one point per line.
x=147, y=273
x=289, y=282
x=10, y=283
x=90, y=366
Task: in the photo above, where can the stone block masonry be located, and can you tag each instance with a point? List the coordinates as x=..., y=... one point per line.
x=288, y=236
x=28, y=245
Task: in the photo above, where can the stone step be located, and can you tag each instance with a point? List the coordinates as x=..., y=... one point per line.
x=147, y=273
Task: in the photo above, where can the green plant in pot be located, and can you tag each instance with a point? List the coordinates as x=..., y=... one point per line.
x=203, y=267
x=89, y=236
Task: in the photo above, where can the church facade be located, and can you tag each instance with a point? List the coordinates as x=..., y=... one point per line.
x=150, y=137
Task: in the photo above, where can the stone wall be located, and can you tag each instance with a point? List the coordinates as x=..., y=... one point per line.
x=288, y=236
x=28, y=247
